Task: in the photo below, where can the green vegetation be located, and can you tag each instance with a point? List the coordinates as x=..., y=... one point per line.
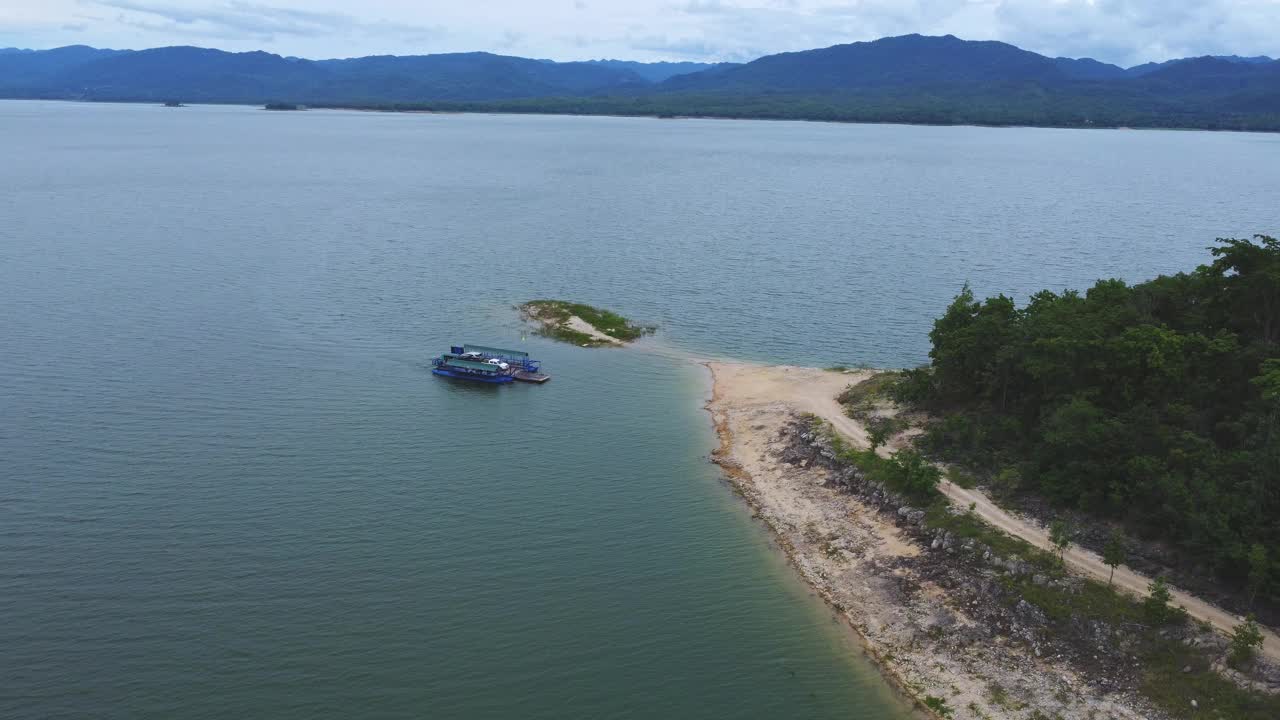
x=938, y=705
x=1060, y=536
x=1156, y=608
x=861, y=400
x=995, y=105
x=961, y=477
x=908, y=79
x=906, y=472
x=1114, y=554
x=1246, y=638
x=1069, y=603
x=1156, y=404
x=1259, y=571
x=878, y=434
x=554, y=317
x=1165, y=683
x=1165, y=661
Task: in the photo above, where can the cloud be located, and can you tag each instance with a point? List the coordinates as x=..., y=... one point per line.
x=707, y=7
x=1134, y=31
x=692, y=48
x=237, y=16
x=1120, y=31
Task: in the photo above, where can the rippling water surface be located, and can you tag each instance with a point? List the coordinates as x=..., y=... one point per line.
x=230, y=486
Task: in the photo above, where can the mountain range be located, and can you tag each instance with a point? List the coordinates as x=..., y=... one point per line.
x=909, y=78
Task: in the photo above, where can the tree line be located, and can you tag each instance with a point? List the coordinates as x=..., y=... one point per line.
x=996, y=106
x=1155, y=404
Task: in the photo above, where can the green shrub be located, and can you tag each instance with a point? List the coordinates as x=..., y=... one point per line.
x=912, y=387
x=1156, y=608
x=555, y=314
x=1007, y=482
x=914, y=476
x=938, y=705
x=1246, y=638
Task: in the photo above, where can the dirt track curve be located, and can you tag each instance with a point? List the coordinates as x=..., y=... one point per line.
x=814, y=391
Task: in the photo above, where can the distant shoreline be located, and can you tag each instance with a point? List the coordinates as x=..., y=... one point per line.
x=658, y=116
x=695, y=116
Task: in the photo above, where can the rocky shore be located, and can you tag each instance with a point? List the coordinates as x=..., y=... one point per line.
x=942, y=615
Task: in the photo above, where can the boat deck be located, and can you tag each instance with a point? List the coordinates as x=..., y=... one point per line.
x=488, y=364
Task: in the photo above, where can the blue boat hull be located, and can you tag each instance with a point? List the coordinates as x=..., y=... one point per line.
x=491, y=379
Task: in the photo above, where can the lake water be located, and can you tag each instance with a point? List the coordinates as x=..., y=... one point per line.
x=229, y=484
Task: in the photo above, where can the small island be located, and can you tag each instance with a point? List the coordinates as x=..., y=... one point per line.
x=284, y=106
x=582, y=324
x=173, y=103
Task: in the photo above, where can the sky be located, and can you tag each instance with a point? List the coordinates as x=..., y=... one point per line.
x=1125, y=32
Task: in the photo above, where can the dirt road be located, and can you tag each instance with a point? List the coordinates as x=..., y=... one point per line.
x=814, y=391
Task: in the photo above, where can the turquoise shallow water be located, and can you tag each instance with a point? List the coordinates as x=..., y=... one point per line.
x=229, y=484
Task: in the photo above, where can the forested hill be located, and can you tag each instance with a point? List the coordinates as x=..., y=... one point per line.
x=205, y=75
x=1155, y=404
x=912, y=78
x=935, y=64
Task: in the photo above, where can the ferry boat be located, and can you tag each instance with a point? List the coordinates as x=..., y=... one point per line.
x=479, y=363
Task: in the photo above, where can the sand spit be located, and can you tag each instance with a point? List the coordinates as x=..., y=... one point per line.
x=878, y=577
x=587, y=328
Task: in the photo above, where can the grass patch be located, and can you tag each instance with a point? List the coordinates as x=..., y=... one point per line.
x=554, y=317
x=1092, y=601
x=1001, y=699
x=961, y=478
x=861, y=397
x=564, y=333
x=904, y=472
x=938, y=705
x=939, y=515
x=1163, y=660
x=1168, y=686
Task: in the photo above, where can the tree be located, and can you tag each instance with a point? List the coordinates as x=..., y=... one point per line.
x=1259, y=570
x=878, y=432
x=953, y=352
x=1113, y=554
x=1060, y=535
x=1249, y=273
x=1155, y=404
x=914, y=476
x=1006, y=482
x=1156, y=605
x=1246, y=638
x=1268, y=384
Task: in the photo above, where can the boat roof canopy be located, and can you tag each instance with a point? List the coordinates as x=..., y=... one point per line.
x=455, y=361
x=495, y=352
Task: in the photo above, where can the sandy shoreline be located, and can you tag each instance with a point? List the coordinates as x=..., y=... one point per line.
x=814, y=391
x=875, y=575
x=720, y=404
